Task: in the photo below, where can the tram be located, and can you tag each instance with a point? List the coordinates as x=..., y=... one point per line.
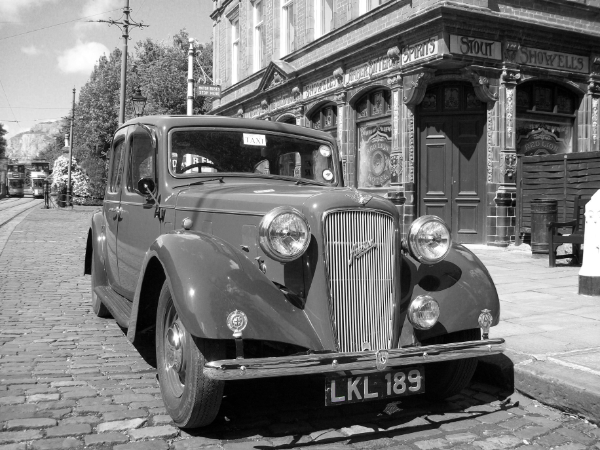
x=37, y=176
x=38, y=179
x=15, y=179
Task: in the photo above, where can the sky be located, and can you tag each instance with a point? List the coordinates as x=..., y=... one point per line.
x=48, y=47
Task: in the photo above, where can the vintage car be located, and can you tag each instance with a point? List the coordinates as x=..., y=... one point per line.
x=233, y=246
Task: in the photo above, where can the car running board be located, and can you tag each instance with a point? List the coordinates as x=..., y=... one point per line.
x=119, y=306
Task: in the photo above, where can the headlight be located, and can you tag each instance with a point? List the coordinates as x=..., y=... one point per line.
x=423, y=312
x=284, y=234
x=429, y=239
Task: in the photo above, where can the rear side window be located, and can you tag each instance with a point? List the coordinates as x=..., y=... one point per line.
x=142, y=156
x=117, y=162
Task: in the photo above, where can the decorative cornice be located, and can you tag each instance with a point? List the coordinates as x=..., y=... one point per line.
x=595, y=64
x=415, y=86
x=510, y=51
x=481, y=85
x=340, y=97
x=510, y=75
x=338, y=74
x=395, y=81
x=264, y=104
x=394, y=54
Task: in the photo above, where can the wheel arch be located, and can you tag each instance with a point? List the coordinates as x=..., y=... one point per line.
x=208, y=279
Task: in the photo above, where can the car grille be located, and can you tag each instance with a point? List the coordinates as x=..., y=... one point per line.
x=361, y=288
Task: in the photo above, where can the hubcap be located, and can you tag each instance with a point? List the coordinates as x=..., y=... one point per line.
x=174, y=348
x=174, y=343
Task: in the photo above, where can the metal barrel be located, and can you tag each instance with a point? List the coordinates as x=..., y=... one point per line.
x=543, y=211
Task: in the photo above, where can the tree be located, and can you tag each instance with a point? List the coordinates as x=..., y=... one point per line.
x=79, y=180
x=159, y=69
x=3, y=143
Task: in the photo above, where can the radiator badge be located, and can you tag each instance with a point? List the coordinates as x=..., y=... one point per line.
x=360, y=197
x=381, y=359
x=359, y=249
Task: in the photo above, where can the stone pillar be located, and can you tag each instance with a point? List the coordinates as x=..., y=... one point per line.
x=396, y=156
x=506, y=175
x=593, y=98
x=342, y=131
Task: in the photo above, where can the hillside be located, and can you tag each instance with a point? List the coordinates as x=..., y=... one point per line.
x=27, y=144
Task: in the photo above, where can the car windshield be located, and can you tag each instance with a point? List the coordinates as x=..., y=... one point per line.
x=194, y=152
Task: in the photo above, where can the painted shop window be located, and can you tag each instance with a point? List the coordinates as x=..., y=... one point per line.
x=287, y=26
x=325, y=119
x=374, y=139
x=449, y=98
x=258, y=40
x=545, y=119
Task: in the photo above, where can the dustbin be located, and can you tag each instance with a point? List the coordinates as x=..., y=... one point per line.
x=543, y=211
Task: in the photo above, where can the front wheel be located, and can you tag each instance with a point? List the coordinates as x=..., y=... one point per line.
x=448, y=378
x=191, y=399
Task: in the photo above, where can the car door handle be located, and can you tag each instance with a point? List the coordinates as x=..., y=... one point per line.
x=117, y=212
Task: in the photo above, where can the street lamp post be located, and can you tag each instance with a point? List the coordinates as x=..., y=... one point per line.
x=139, y=102
x=69, y=187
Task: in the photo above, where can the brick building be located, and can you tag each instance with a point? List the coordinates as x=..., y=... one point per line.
x=432, y=98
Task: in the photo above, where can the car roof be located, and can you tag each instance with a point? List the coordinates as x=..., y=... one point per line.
x=229, y=122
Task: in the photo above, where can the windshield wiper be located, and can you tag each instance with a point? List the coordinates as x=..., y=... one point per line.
x=195, y=183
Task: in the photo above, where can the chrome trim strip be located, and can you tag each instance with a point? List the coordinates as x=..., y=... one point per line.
x=220, y=211
x=232, y=369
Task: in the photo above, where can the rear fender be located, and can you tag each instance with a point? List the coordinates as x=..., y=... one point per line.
x=461, y=285
x=95, y=246
x=209, y=279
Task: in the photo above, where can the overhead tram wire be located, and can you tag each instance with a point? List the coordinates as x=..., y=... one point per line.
x=11, y=109
x=57, y=24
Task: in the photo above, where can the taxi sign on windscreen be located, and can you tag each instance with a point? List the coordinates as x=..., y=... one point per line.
x=208, y=90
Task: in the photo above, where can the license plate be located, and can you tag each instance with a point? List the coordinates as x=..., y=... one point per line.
x=341, y=390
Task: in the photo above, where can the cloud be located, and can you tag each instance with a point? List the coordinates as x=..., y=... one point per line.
x=96, y=9
x=10, y=9
x=81, y=58
x=32, y=50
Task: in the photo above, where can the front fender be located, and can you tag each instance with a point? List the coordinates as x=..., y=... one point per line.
x=210, y=278
x=461, y=285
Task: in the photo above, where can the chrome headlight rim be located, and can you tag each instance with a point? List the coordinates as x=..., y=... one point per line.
x=413, y=245
x=415, y=307
x=263, y=232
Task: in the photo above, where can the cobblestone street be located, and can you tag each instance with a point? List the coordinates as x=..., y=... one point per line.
x=69, y=379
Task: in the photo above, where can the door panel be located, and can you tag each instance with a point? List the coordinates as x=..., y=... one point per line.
x=452, y=172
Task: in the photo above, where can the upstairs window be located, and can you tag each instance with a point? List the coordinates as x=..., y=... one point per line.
x=235, y=49
x=287, y=26
x=259, y=35
x=323, y=17
x=367, y=5
x=325, y=119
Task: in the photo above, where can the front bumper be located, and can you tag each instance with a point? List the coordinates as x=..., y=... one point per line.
x=235, y=369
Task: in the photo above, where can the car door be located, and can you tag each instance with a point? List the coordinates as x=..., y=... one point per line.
x=111, y=208
x=138, y=226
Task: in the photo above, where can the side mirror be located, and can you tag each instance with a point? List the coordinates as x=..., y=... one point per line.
x=146, y=186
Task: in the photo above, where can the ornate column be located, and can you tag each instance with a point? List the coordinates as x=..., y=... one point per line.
x=594, y=98
x=342, y=135
x=506, y=175
x=414, y=86
x=396, y=156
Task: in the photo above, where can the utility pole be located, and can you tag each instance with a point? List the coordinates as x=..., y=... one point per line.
x=69, y=187
x=190, y=91
x=123, y=25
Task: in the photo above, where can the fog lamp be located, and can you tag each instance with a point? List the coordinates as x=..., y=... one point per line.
x=423, y=312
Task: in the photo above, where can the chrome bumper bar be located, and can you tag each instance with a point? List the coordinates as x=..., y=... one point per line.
x=235, y=369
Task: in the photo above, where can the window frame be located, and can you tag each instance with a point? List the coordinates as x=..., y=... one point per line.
x=287, y=25
x=258, y=35
x=235, y=47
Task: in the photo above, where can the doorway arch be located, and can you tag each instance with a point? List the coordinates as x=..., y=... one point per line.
x=452, y=159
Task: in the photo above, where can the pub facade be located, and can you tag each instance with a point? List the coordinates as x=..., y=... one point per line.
x=432, y=102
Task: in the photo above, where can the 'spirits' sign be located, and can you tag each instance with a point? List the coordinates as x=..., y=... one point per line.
x=553, y=60
x=319, y=87
x=421, y=50
x=471, y=46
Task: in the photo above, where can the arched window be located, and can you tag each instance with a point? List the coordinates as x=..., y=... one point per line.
x=374, y=139
x=325, y=119
x=545, y=118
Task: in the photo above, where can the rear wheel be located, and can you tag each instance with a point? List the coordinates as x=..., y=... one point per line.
x=99, y=309
x=448, y=378
x=191, y=399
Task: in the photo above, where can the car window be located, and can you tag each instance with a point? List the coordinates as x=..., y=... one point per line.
x=142, y=157
x=117, y=162
x=196, y=151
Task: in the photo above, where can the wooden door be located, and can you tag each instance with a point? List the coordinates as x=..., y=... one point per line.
x=452, y=161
